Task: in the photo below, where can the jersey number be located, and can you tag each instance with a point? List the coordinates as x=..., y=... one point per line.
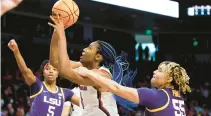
x=179, y=107
x=51, y=111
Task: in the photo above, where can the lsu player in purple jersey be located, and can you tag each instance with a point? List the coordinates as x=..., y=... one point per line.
x=170, y=80
x=46, y=98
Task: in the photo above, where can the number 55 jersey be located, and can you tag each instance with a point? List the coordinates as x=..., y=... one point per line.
x=47, y=103
x=161, y=102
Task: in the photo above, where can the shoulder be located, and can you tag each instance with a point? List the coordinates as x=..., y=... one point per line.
x=103, y=72
x=151, y=90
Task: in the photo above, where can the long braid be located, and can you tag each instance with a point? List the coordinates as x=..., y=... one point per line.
x=119, y=67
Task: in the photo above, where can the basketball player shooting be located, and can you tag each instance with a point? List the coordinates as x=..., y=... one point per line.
x=99, y=57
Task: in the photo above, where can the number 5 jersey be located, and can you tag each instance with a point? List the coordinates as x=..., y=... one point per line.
x=45, y=102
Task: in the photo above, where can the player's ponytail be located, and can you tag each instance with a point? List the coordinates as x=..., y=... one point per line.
x=119, y=67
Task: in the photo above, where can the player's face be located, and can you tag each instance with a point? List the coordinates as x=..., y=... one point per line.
x=89, y=53
x=160, y=76
x=50, y=73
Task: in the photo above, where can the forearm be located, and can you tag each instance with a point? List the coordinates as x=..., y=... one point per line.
x=113, y=87
x=104, y=82
x=20, y=61
x=27, y=73
x=54, y=50
x=64, y=67
x=63, y=57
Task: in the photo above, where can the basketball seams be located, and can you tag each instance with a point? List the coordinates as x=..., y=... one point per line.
x=62, y=10
x=65, y=16
x=73, y=11
x=69, y=10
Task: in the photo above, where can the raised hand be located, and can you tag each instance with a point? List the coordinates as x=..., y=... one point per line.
x=58, y=24
x=13, y=45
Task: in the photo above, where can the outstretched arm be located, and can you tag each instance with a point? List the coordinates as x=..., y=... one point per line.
x=110, y=85
x=27, y=73
x=54, y=52
x=64, y=64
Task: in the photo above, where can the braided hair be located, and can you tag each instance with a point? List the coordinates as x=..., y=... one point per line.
x=179, y=75
x=119, y=67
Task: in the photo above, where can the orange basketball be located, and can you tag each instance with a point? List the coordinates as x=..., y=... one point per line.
x=68, y=10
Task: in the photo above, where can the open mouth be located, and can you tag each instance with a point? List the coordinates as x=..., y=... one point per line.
x=83, y=53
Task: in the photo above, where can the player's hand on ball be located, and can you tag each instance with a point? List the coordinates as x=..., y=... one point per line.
x=13, y=45
x=83, y=71
x=58, y=24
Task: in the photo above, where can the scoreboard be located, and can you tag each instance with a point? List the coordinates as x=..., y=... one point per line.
x=199, y=10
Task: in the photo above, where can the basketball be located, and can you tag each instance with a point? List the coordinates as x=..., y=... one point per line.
x=68, y=10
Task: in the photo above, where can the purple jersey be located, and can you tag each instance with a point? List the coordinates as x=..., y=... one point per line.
x=162, y=102
x=46, y=103
x=2, y=114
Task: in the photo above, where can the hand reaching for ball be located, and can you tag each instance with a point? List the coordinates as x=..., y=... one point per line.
x=68, y=11
x=58, y=25
x=13, y=45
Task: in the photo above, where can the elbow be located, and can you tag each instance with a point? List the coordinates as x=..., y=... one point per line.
x=25, y=71
x=54, y=63
x=63, y=67
x=62, y=73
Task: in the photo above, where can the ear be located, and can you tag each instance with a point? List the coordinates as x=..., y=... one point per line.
x=169, y=79
x=99, y=57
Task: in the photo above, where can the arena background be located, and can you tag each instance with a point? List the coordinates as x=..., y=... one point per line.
x=148, y=39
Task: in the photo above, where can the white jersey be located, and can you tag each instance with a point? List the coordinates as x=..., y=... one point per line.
x=76, y=109
x=95, y=103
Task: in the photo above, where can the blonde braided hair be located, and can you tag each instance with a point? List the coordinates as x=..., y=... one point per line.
x=179, y=75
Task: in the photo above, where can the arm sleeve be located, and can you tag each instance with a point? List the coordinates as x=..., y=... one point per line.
x=35, y=87
x=68, y=94
x=147, y=96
